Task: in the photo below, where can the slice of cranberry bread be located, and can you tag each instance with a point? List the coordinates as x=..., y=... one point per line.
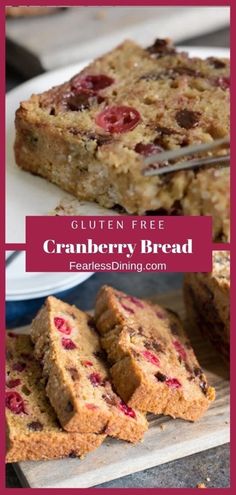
x=91, y=134
x=33, y=432
x=153, y=365
x=207, y=301
x=78, y=384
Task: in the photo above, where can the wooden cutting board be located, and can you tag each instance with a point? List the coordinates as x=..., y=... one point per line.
x=36, y=44
x=166, y=439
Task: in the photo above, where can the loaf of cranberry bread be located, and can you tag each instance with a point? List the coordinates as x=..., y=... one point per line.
x=153, y=365
x=78, y=384
x=207, y=301
x=33, y=432
x=91, y=134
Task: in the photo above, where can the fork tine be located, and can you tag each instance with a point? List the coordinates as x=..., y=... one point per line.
x=189, y=164
x=187, y=150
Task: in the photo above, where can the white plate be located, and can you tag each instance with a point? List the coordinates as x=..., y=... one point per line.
x=30, y=195
x=22, y=285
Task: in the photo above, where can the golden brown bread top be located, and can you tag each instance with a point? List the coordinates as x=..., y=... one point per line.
x=173, y=100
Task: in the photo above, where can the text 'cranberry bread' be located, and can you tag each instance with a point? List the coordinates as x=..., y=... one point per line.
x=33, y=432
x=153, y=365
x=207, y=301
x=78, y=384
x=91, y=134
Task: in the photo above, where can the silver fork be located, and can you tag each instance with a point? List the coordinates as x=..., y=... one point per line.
x=186, y=164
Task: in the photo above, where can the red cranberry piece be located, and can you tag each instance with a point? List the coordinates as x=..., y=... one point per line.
x=87, y=363
x=222, y=82
x=62, y=325
x=15, y=403
x=180, y=349
x=68, y=344
x=135, y=301
x=13, y=383
x=160, y=315
x=92, y=82
x=173, y=383
x=151, y=358
x=19, y=366
x=91, y=406
x=128, y=411
x=12, y=335
x=118, y=119
x=95, y=379
x=147, y=149
x=126, y=308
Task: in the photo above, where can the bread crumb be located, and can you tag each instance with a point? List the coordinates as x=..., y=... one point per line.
x=201, y=485
x=162, y=427
x=208, y=479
